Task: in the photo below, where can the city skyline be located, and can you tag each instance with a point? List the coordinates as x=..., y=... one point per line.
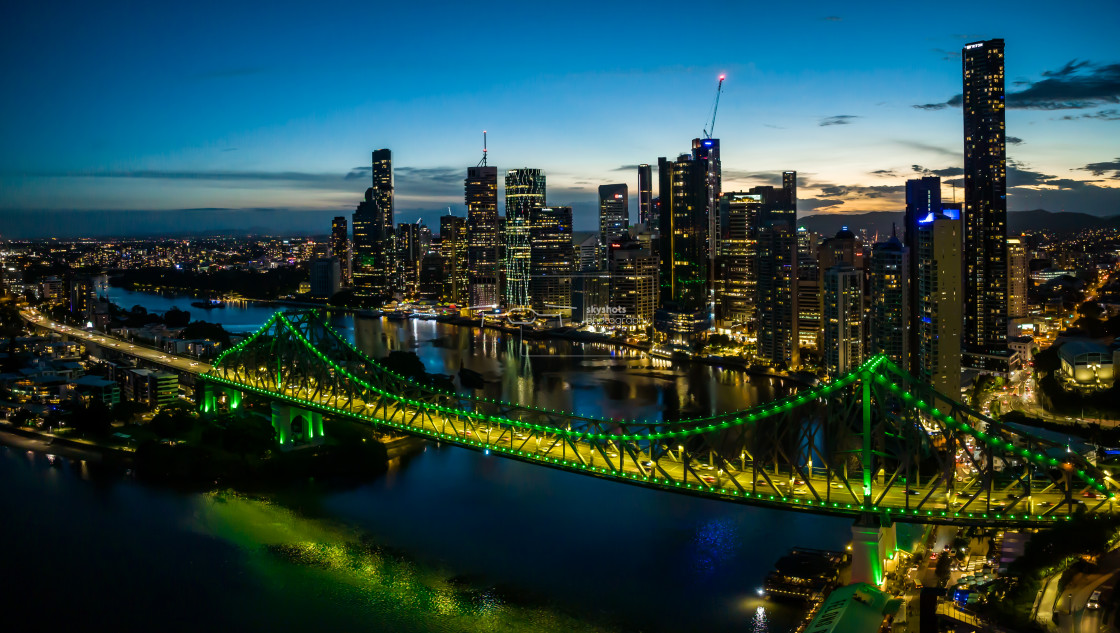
x=200, y=133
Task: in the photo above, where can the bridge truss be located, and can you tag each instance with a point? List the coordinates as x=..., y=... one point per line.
x=873, y=441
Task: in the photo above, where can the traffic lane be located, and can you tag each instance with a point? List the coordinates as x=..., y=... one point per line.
x=162, y=358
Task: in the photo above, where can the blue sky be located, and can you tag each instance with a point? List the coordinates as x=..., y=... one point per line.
x=178, y=107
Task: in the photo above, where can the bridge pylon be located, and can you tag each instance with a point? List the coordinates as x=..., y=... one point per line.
x=873, y=540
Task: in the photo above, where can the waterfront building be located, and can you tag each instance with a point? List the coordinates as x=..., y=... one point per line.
x=374, y=249
x=632, y=287
x=645, y=194
x=777, y=267
x=614, y=218
x=551, y=260
x=410, y=253
x=483, y=236
x=340, y=247
x=453, y=248
x=1018, y=278
x=683, y=313
x=325, y=277
x=525, y=191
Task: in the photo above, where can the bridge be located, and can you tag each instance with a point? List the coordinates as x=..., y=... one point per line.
x=873, y=443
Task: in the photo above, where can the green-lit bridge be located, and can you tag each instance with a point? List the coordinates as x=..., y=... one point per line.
x=873, y=442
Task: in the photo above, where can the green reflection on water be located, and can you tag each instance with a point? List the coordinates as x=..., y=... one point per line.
x=311, y=562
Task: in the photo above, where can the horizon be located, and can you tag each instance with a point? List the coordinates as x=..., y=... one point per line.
x=251, y=131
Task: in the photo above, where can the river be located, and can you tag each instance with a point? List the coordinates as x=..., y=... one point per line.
x=449, y=540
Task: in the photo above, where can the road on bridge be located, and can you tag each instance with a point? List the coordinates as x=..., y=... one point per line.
x=171, y=361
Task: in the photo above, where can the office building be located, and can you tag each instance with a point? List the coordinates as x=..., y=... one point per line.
x=683, y=313
x=706, y=150
x=454, y=248
x=938, y=310
x=410, y=254
x=890, y=302
x=483, y=236
x=776, y=283
x=374, y=249
x=436, y=282
x=551, y=260
x=923, y=200
x=985, y=208
x=735, y=284
x=340, y=247
x=842, y=319
x=645, y=195
x=326, y=277
x=614, y=218
x=525, y=191
x=632, y=287
x=1018, y=278
x=808, y=300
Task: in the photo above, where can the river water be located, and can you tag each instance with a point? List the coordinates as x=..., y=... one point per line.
x=449, y=540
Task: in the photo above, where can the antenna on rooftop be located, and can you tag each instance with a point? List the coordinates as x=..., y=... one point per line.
x=482, y=162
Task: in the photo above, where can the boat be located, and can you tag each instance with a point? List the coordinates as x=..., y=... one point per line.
x=209, y=304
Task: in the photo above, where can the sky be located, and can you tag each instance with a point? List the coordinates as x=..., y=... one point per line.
x=175, y=117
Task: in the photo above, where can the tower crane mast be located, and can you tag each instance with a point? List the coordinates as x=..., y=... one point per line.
x=711, y=129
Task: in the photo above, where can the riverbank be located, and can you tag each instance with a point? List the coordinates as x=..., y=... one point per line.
x=48, y=443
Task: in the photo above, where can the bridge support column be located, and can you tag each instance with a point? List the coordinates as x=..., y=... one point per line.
x=296, y=427
x=873, y=540
x=215, y=398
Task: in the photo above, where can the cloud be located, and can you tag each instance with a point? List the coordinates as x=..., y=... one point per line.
x=948, y=55
x=1014, y=140
x=832, y=18
x=359, y=172
x=839, y=119
x=1077, y=85
x=860, y=191
x=230, y=149
x=946, y=172
x=932, y=149
x=885, y=172
x=1110, y=114
x=1101, y=169
x=633, y=167
x=772, y=126
x=812, y=204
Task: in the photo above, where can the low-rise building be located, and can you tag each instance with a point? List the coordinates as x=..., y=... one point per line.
x=98, y=388
x=1086, y=363
x=149, y=387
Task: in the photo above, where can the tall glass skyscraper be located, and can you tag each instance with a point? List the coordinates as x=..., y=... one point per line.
x=483, y=236
x=985, y=208
x=340, y=247
x=683, y=252
x=551, y=260
x=525, y=190
x=614, y=218
x=374, y=264
x=645, y=196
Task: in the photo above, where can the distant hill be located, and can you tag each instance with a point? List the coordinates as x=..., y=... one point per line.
x=1018, y=221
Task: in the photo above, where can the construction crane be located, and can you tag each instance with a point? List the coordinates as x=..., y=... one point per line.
x=482, y=162
x=711, y=129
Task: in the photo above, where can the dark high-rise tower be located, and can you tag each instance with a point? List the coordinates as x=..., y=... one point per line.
x=707, y=151
x=683, y=255
x=645, y=195
x=525, y=190
x=985, y=208
x=453, y=249
x=614, y=218
x=374, y=265
x=551, y=260
x=923, y=201
x=483, y=237
x=789, y=184
x=340, y=247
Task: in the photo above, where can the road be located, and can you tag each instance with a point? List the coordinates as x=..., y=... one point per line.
x=1078, y=591
x=170, y=361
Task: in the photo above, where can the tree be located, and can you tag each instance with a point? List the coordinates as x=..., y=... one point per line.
x=943, y=569
x=22, y=417
x=249, y=433
x=173, y=420
x=176, y=317
x=94, y=418
x=205, y=330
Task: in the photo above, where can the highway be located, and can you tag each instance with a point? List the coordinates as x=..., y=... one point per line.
x=170, y=361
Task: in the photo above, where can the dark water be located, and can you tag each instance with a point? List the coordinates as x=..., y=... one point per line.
x=451, y=540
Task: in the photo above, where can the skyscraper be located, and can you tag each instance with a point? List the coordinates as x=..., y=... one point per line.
x=777, y=268
x=735, y=283
x=1018, y=277
x=410, y=255
x=551, y=259
x=938, y=310
x=923, y=200
x=340, y=247
x=374, y=263
x=985, y=208
x=525, y=191
x=707, y=150
x=483, y=236
x=842, y=319
x=890, y=302
x=614, y=218
x=789, y=185
x=645, y=195
x=453, y=249
x=633, y=286
x=682, y=253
